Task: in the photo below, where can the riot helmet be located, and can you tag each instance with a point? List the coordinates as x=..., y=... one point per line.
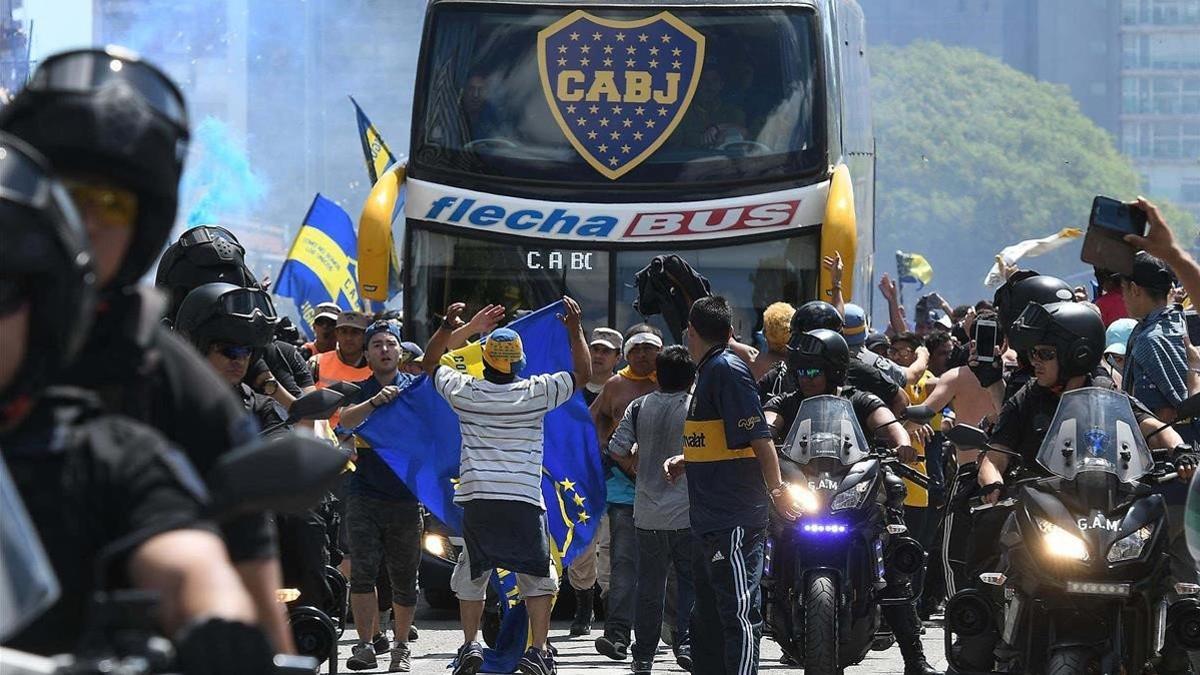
x=813, y=315
x=106, y=113
x=1076, y=332
x=823, y=349
x=1023, y=288
x=202, y=255
x=45, y=264
x=221, y=312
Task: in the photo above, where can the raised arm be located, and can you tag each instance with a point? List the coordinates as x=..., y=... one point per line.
x=835, y=266
x=1160, y=242
x=484, y=320
x=581, y=358
x=888, y=288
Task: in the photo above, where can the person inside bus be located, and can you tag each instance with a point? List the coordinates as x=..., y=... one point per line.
x=481, y=115
x=711, y=120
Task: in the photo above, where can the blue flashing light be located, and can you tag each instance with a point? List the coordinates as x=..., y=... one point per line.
x=823, y=528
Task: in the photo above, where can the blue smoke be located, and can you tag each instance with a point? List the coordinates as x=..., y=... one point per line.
x=218, y=182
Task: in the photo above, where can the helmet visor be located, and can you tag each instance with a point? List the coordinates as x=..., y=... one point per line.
x=1031, y=327
x=22, y=180
x=245, y=302
x=91, y=70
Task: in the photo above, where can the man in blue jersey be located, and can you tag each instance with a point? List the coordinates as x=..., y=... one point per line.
x=733, y=479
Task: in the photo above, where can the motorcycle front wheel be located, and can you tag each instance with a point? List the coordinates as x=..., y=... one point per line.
x=821, y=626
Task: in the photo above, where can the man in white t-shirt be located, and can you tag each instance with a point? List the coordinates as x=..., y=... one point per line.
x=500, y=474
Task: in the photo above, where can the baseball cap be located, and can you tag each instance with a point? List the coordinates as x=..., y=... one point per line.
x=855, y=327
x=502, y=351
x=354, y=320
x=327, y=310
x=413, y=350
x=1116, y=336
x=875, y=339
x=1150, y=272
x=390, y=327
x=607, y=337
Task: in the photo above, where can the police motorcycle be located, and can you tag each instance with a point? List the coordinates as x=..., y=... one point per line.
x=288, y=473
x=1083, y=583
x=824, y=582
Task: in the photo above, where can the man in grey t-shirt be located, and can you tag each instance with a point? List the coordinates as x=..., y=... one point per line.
x=654, y=425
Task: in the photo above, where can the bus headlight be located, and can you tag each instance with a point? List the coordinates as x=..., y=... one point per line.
x=437, y=545
x=1060, y=543
x=1131, y=545
x=805, y=499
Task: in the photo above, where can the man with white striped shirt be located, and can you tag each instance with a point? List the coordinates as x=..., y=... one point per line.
x=500, y=475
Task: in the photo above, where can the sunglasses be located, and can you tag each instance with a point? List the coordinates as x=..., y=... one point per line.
x=13, y=294
x=1043, y=353
x=234, y=352
x=809, y=373
x=113, y=207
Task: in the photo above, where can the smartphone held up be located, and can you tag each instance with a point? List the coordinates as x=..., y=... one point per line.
x=1104, y=245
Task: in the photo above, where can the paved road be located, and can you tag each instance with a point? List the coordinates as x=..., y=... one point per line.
x=440, y=637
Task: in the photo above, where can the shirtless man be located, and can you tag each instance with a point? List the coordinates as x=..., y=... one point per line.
x=641, y=347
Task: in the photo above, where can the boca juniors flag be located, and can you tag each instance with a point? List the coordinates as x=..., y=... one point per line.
x=618, y=88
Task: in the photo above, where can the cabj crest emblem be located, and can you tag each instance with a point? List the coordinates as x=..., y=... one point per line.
x=619, y=88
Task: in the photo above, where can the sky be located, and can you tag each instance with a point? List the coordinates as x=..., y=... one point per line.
x=58, y=25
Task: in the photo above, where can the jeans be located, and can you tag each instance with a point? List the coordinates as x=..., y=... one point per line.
x=659, y=550
x=726, y=624
x=622, y=585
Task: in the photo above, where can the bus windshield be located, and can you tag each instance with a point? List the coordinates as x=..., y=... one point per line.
x=486, y=103
x=528, y=275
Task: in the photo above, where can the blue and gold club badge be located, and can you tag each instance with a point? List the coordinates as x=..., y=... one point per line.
x=619, y=88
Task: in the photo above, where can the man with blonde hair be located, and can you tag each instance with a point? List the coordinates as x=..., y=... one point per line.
x=777, y=319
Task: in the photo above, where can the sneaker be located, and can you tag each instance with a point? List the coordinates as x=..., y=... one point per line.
x=683, y=656
x=380, y=643
x=413, y=635
x=613, y=647
x=469, y=659
x=401, y=659
x=642, y=666
x=537, y=662
x=362, y=657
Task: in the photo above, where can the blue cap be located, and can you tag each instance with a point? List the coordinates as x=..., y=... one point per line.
x=390, y=327
x=1116, y=336
x=414, y=350
x=502, y=351
x=854, y=329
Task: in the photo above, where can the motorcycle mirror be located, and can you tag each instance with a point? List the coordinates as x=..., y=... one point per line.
x=921, y=414
x=320, y=404
x=287, y=473
x=967, y=437
x=344, y=388
x=1188, y=408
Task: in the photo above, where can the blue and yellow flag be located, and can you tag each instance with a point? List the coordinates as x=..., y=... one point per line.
x=375, y=150
x=913, y=268
x=417, y=435
x=320, y=266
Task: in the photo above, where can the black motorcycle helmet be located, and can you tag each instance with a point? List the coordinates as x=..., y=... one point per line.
x=107, y=113
x=813, y=315
x=44, y=262
x=824, y=349
x=1023, y=288
x=202, y=255
x=222, y=312
x=1075, y=330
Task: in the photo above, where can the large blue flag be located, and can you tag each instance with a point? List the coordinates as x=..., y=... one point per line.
x=320, y=266
x=417, y=435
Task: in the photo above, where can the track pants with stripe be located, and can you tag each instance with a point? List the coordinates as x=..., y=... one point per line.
x=726, y=624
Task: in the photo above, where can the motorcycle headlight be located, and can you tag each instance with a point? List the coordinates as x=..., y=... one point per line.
x=805, y=499
x=439, y=546
x=850, y=499
x=1131, y=545
x=1060, y=543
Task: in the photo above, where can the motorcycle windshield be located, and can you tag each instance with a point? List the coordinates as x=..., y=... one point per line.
x=826, y=426
x=27, y=582
x=1094, y=430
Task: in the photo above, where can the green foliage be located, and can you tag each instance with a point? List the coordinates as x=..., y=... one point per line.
x=974, y=155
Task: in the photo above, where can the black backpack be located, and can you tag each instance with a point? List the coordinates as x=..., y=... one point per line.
x=669, y=286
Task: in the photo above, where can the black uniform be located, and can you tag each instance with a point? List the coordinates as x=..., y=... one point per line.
x=142, y=370
x=288, y=367
x=859, y=376
x=787, y=405
x=91, y=483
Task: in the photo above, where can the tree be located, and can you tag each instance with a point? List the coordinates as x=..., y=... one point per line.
x=973, y=155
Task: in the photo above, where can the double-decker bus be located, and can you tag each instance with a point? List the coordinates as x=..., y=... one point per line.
x=557, y=146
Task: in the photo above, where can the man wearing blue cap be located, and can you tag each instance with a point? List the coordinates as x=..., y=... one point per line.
x=855, y=332
x=500, y=473
x=383, y=518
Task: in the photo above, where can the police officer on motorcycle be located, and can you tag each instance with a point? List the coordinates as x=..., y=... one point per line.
x=818, y=362
x=113, y=503
x=115, y=129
